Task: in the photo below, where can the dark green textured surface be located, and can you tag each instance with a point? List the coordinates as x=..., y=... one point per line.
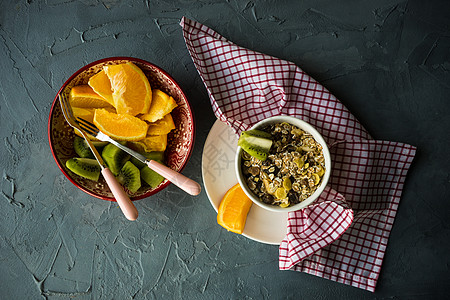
x=387, y=61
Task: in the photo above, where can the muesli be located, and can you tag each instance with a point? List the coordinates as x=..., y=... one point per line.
x=293, y=170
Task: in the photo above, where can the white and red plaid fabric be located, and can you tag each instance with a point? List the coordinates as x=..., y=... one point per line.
x=343, y=236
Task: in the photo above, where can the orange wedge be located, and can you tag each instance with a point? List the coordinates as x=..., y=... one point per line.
x=84, y=96
x=161, y=105
x=101, y=85
x=85, y=113
x=121, y=127
x=151, y=143
x=132, y=93
x=233, y=210
x=163, y=126
x=88, y=113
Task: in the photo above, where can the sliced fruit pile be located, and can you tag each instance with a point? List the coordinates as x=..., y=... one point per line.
x=121, y=103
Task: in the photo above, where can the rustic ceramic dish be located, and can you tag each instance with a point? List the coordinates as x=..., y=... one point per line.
x=180, y=140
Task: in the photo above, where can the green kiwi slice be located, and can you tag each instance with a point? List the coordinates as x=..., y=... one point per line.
x=98, y=144
x=114, y=158
x=256, y=152
x=129, y=176
x=255, y=142
x=257, y=133
x=154, y=155
x=82, y=149
x=85, y=167
x=150, y=177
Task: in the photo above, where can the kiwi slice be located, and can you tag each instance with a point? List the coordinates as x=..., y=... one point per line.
x=256, y=143
x=98, y=144
x=154, y=155
x=257, y=133
x=129, y=176
x=256, y=152
x=114, y=158
x=82, y=149
x=150, y=177
x=85, y=167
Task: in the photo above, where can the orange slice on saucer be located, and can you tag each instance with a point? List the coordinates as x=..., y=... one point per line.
x=233, y=210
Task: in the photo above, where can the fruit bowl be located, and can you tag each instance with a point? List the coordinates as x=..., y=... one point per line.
x=180, y=140
x=321, y=186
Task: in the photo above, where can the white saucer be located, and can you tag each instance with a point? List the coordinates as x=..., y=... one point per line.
x=219, y=176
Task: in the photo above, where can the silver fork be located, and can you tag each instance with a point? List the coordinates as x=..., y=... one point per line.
x=127, y=206
x=186, y=184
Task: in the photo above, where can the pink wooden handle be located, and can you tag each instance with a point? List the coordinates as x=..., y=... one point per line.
x=186, y=184
x=127, y=206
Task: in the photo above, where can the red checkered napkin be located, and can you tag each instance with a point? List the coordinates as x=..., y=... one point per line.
x=343, y=236
x=315, y=226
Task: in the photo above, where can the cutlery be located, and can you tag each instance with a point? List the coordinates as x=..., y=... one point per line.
x=186, y=184
x=126, y=205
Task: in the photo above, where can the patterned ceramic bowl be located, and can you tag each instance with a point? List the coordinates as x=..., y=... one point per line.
x=180, y=140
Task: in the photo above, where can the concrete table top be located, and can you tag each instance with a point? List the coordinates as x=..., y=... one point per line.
x=388, y=61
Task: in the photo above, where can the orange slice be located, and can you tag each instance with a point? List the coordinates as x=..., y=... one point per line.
x=121, y=127
x=163, y=126
x=151, y=143
x=132, y=93
x=84, y=96
x=233, y=210
x=88, y=113
x=85, y=113
x=161, y=105
x=101, y=85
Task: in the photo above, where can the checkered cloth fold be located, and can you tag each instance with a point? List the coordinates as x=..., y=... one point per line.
x=315, y=227
x=343, y=236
